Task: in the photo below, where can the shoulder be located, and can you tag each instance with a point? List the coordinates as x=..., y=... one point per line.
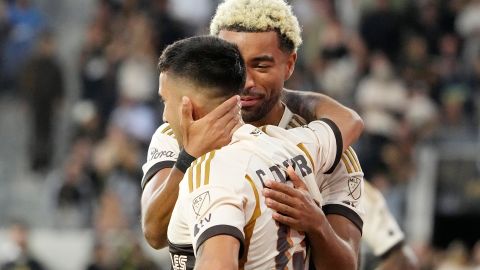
x=164, y=130
x=223, y=167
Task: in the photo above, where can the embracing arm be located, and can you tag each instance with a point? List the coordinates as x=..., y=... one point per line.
x=199, y=137
x=335, y=243
x=313, y=106
x=158, y=200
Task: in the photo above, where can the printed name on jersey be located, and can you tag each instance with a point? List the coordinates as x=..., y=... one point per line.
x=350, y=159
x=202, y=223
x=157, y=154
x=179, y=262
x=279, y=172
x=354, y=187
x=201, y=203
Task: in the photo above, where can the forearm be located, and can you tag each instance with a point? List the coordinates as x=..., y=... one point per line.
x=329, y=251
x=219, y=252
x=157, y=206
x=312, y=106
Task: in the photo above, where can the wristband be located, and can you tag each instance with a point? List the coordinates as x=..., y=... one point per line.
x=184, y=161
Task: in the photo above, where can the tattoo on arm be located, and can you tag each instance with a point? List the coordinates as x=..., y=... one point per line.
x=303, y=105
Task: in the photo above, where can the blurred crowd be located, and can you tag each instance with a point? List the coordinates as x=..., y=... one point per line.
x=410, y=68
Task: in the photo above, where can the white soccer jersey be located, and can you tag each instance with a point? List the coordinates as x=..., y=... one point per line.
x=162, y=152
x=221, y=193
x=381, y=231
x=341, y=187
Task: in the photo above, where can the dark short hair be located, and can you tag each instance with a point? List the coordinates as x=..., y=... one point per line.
x=208, y=62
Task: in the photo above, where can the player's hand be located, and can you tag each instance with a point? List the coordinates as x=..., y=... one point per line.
x=293, y=205
x=212, y=131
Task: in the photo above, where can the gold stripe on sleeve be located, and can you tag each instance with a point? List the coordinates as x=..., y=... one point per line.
x=347, y=164
x=355, y=157
x=207, y=167
x=165, y=129
x=190, y=179
x=352, y=160
x=248, y=229
x=198, y=168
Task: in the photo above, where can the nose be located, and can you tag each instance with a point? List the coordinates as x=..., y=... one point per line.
x=249, y=82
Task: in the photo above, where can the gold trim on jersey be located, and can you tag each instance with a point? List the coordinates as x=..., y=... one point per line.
x=350, y=159
x=207, y=167
x=198, y=176
x=304, y=150
x=168, y=131
x=248, y=229
x=196, y=168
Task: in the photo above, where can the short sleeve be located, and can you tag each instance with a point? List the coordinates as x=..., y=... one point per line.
x=218, y=199
x=323, y=144
x=343, y=190
x=162, y=153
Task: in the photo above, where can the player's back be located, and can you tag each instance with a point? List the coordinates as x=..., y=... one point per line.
x=221, y=194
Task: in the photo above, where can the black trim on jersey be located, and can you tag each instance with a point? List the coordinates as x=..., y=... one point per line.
x=344, y=211
x=182, y=250
x=339, y=140
x=391, y=250
x=222, y=230
x=154, y=169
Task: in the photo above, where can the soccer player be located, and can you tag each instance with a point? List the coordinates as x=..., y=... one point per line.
x=268, y=44
x=247, y=23
x=220, y=211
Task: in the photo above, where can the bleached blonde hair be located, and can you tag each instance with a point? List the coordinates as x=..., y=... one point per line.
x=259, y=16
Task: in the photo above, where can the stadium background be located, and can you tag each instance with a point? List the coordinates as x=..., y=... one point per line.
x=78, y=106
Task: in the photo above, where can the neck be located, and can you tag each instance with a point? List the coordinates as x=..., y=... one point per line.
x=273, y=117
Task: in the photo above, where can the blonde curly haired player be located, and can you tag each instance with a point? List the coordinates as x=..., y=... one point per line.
x=382, y=233
x=258, y=16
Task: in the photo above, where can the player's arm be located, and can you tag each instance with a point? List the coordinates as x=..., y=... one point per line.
x=161, y=191
x=313, y=106
x=334, y=239
x=219, y=252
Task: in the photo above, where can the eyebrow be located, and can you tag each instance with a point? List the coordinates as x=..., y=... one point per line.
x=261, y=58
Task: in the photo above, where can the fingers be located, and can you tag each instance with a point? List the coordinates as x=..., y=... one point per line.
x=281, y=187
x=226, y=107
x=285, y=220
x=187, y=116
x=297, y=182
x=280, y=207
x=277, y=196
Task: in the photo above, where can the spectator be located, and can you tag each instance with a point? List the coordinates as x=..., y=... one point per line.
x=381, y=98
x=26, y=24
x=42, y=84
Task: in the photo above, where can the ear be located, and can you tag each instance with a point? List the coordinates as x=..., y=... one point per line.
x=292, y=58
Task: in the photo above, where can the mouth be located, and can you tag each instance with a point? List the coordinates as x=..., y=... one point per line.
x=249, y=101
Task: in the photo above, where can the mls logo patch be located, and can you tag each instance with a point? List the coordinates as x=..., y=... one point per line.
x=354, y=187
x=200, y=203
